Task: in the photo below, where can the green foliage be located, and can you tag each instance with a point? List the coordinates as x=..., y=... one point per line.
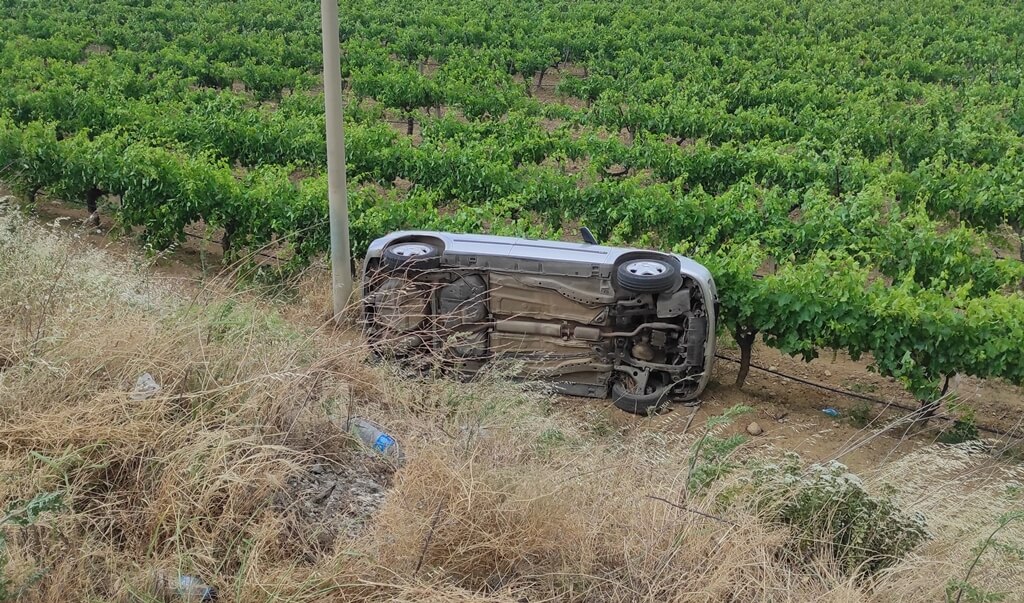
x=964, y=428
x=961, y=589
x=232, y=321
x=25, y=513
x=831, y=513
x=958, y=590
x=550, y=440
x=861, y=414
x=22, y=513
x=861, y=387
x=710, y=455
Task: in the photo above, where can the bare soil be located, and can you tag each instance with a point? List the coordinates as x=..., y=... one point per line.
x=791, y=416
x=547, y=92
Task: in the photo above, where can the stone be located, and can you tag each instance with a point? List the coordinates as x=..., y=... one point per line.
x=754, y=429
x=324, y=494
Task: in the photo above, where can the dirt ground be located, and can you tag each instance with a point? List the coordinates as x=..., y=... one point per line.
x=791, y=418
x=789, y=414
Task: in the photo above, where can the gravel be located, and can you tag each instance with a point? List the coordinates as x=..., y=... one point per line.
x=334, y=499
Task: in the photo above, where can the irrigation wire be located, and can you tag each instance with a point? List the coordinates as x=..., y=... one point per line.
x=858, y=396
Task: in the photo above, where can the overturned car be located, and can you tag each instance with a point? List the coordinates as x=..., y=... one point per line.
x=592, y=320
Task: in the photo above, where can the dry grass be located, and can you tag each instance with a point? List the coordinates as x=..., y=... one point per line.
x=502, y=497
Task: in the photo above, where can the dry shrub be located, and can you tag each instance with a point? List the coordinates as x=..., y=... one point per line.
x=184, y=479
x=833, y=514
x=584, y=529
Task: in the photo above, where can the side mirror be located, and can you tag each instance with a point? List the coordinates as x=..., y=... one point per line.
x=588, y=237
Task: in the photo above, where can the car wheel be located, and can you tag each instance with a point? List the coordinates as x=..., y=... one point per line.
x=412, y=254
x=647, y=275
x=625, y=397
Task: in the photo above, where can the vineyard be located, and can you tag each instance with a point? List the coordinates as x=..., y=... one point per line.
x=852, y=172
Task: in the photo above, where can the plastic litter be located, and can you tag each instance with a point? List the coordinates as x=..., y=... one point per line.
x=193, y=589
x=171, y=586
x=374, y=436
x=832, y=412
x=145, y=387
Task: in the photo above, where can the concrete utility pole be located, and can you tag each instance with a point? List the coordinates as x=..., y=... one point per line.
x=337, y=189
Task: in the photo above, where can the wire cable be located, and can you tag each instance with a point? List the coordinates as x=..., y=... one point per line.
x=858, y=396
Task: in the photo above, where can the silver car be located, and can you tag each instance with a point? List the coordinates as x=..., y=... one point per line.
x=592, y=320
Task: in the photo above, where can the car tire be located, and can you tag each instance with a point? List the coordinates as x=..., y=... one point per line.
x=638, y=404
x=413, y=255
x=647, y=275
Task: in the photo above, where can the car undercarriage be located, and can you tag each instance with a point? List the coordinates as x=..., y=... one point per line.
x=639, y=329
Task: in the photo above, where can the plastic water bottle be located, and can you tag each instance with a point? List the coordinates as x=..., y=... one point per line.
x=373, y=436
